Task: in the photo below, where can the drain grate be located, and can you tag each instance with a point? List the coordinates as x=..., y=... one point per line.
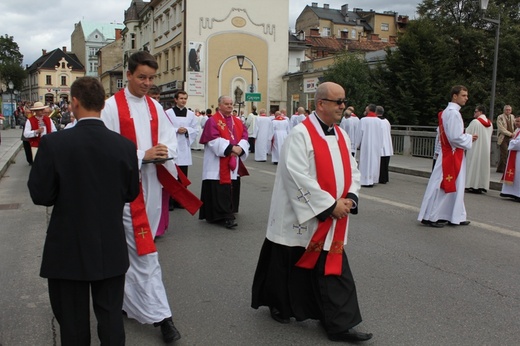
x=10, y=206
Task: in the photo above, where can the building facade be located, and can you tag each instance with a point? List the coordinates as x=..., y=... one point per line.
x=87, y=38
x=196, y=44
x=110, y=67
x=49, y=78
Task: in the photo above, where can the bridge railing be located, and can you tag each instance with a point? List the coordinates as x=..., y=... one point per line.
x=420, y=141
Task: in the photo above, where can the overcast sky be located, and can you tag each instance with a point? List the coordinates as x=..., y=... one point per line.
x=48, y=24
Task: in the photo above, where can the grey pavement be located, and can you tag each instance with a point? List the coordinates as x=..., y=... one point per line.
x=9, y=147
x=410, y=165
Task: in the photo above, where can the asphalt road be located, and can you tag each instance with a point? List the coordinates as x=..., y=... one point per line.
x=416, y=285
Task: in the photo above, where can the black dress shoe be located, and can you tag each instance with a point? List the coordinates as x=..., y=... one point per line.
x=435, y=224
x=276, y=315
x=168, y=330
x=350, y=335
x=463, y=223
x=229, y=223
x=367, y=185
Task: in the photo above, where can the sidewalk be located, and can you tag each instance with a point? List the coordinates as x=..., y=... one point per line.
x=411, y=165
x=422, y=167
x=9, y=147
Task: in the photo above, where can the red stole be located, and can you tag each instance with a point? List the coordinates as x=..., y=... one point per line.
x=35, y=141
x=324, y=167
x=451, y=160
x=509, y=174
x=142, y=232
x=225, y=167
x=371, y=114
x=485, y=122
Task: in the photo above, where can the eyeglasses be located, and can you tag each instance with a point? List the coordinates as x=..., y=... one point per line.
x=338, y=102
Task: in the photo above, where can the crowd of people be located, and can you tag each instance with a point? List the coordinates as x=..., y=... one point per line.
x=144, y=174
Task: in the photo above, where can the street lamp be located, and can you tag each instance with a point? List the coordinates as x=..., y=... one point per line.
x=11, y=87
x=483, y=6
x=240, y=60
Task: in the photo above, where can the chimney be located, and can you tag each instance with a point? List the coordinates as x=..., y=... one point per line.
x=64, y=49
x=44, y=51
x=326, y=6
x=118, y=34
x=344, y=9
x=314, y=4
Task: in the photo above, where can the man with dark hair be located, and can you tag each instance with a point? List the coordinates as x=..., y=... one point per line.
x=85, y=248
x=140, y=118
x=155, y=93
x=186, y=129
x=444, y=197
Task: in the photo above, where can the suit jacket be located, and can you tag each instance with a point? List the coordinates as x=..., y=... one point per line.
x=502, y=122
x=87, y=173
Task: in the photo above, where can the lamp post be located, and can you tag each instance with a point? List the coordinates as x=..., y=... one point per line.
x=483, y=6
x=240, y=60
x=11, y=87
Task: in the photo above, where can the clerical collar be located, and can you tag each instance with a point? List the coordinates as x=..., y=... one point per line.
x=329, y=131
x=180, y=112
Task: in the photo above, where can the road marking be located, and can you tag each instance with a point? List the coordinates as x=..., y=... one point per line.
x=485, y=226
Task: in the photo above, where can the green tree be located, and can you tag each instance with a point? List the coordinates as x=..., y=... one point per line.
x=11, y=62
x=353, y=74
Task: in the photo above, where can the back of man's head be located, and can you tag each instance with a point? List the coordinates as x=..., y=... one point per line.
x=89, y=92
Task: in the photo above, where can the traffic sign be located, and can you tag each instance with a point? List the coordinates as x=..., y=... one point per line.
x=253, y=97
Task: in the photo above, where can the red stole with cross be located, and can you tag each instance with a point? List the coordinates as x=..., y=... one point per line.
x=35, y=141
x=509, y=174
x=142, y=231
x=451, y=160
x=327, y=182
x=226, y=162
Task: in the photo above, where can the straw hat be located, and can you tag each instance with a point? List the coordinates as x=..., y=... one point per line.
x=37, y=106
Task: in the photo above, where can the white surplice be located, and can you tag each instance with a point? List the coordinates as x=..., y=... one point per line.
x=297, y=197
x=281, y=129
x=514, y=145
x=263, y=133
x=388, y=148
x=184, y=142
x=368, y=139
x=350, y=126
x=478, y=158
x=250, y=124
x=201, y=121
x=436, y=204
x=145, y=296
x=296, y=119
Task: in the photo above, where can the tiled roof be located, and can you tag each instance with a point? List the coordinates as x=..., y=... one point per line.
x=50, y=60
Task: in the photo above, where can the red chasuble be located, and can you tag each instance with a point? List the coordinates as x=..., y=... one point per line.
x=327, y=182
x=142, y=232
x=35, y=141
x=484, y=122
x=509, y=174
x=451, y=161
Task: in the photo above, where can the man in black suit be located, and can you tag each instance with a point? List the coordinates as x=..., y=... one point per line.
x=87, y=173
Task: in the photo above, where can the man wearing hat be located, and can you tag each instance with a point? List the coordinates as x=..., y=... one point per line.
x=37, y=126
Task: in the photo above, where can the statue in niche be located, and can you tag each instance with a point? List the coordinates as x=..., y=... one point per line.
x=238, y=95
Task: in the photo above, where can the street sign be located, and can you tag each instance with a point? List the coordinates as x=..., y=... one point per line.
x=253, y=97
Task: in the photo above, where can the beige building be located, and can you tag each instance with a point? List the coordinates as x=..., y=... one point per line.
x=197, y=42
x=110, y=68
x=49, y=78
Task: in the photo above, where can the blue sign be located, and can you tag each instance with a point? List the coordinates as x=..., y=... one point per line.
x=8, y=109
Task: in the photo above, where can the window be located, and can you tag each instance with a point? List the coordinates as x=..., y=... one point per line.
x=120, y=84
x=385, y=27
x=63, y=80
x=353, y=33
x=92, y=51
x=93, y=67
x=132, y=41
x=166, y=61
x=326, y=32
x=48, y=80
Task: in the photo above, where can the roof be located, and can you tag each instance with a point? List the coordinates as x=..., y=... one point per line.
x=50, y=60
x=132, y=13
x=335, y=16
x=368, y=45
x=328, y=44
x=108, y=30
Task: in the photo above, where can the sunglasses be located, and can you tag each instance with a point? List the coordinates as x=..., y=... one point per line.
x=338, y=102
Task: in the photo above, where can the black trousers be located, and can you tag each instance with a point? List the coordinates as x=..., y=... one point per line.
x=28, y=152
x=70, y=301
x=251, y=141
